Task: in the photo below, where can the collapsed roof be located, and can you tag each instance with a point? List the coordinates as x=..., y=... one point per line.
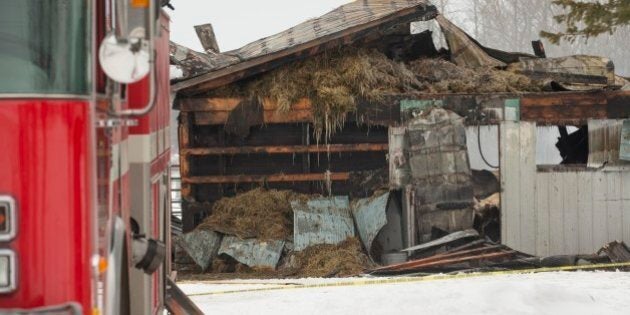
x=380, y=24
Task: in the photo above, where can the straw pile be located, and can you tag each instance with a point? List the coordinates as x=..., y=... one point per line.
x=334, y=80
x=259, y=213
x=342, y=260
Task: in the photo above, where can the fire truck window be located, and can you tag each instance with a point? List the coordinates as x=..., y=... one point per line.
x=44, y=47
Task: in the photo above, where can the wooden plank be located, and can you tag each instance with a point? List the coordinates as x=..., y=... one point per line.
x=267, y=62
x=294, y=116
x=485, y=257
x=625, y=193
x=585, y=212
x=510, y=184
x=562, y=115
x=269, y=117
x=288, y=149
x=183, y=133
x=568, y=99
x=527, y=178
x=556, y=214
x=600, y=215
x=542, y=214
x=570, y=212
x=230, y=179
x=212, y=104
x=613, y=206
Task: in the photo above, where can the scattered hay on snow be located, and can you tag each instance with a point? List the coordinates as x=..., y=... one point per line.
x=259, y=213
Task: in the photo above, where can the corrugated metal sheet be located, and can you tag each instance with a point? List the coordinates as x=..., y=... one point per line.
x=252, y=252
x=624, y=149
x=201, y=246
x=370, y=215
x=444, y=240
x=558, y=210
x=464, y=50
x=604, y=140
x=321, y=221
x=399, y=172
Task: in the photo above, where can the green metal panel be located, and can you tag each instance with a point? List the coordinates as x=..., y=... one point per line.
x=512, y=110
x=624, y=149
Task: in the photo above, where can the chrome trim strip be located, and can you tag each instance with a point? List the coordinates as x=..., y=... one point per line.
x=20, y=96
x=12, y=217
x=12, y=271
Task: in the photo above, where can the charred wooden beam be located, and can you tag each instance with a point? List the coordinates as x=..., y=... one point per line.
x=288, y=149
x=489, y=256
x=220, y=104
x=443, y=257
x=539, y=49
x=183, y=132
x=208, y=40
x=618, y=106
x=231, y=179
x=563, y=108
x=269, y=117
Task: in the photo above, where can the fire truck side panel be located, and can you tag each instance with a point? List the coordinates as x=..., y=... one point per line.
x=149, y=157
x=47, y=166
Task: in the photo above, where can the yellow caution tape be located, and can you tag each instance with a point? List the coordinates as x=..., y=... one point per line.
x=362, y=282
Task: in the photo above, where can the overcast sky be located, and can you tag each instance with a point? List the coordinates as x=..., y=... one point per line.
x=238, y=22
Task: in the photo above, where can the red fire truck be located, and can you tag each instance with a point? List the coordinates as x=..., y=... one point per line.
x=84, y=182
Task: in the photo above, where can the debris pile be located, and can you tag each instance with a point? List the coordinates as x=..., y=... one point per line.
x=252, y=234
x=465, y=251
x=441, y=76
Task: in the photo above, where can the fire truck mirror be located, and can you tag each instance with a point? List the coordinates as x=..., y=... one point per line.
x=148, y=254
x=125, y=61
x=125, y=53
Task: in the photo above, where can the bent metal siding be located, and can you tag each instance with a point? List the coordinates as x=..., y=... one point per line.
x=561, y=209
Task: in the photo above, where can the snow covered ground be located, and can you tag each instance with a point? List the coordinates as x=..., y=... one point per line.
x=544, y=293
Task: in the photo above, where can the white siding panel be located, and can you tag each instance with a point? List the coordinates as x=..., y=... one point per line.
x=570, y=211
x=625, y=203
x=518, y=171
x=510, y=173
x=542, y=214
x=613, y=205
x=527, y=178
x=585, y=212
x=558, y=211
x=600, y=214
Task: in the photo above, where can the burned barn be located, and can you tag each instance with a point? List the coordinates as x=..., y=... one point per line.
x=376, y=109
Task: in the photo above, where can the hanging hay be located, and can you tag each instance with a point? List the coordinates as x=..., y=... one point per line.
x=258, y=213
x=342, y=260
x=332, y=81
x=442, y=76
